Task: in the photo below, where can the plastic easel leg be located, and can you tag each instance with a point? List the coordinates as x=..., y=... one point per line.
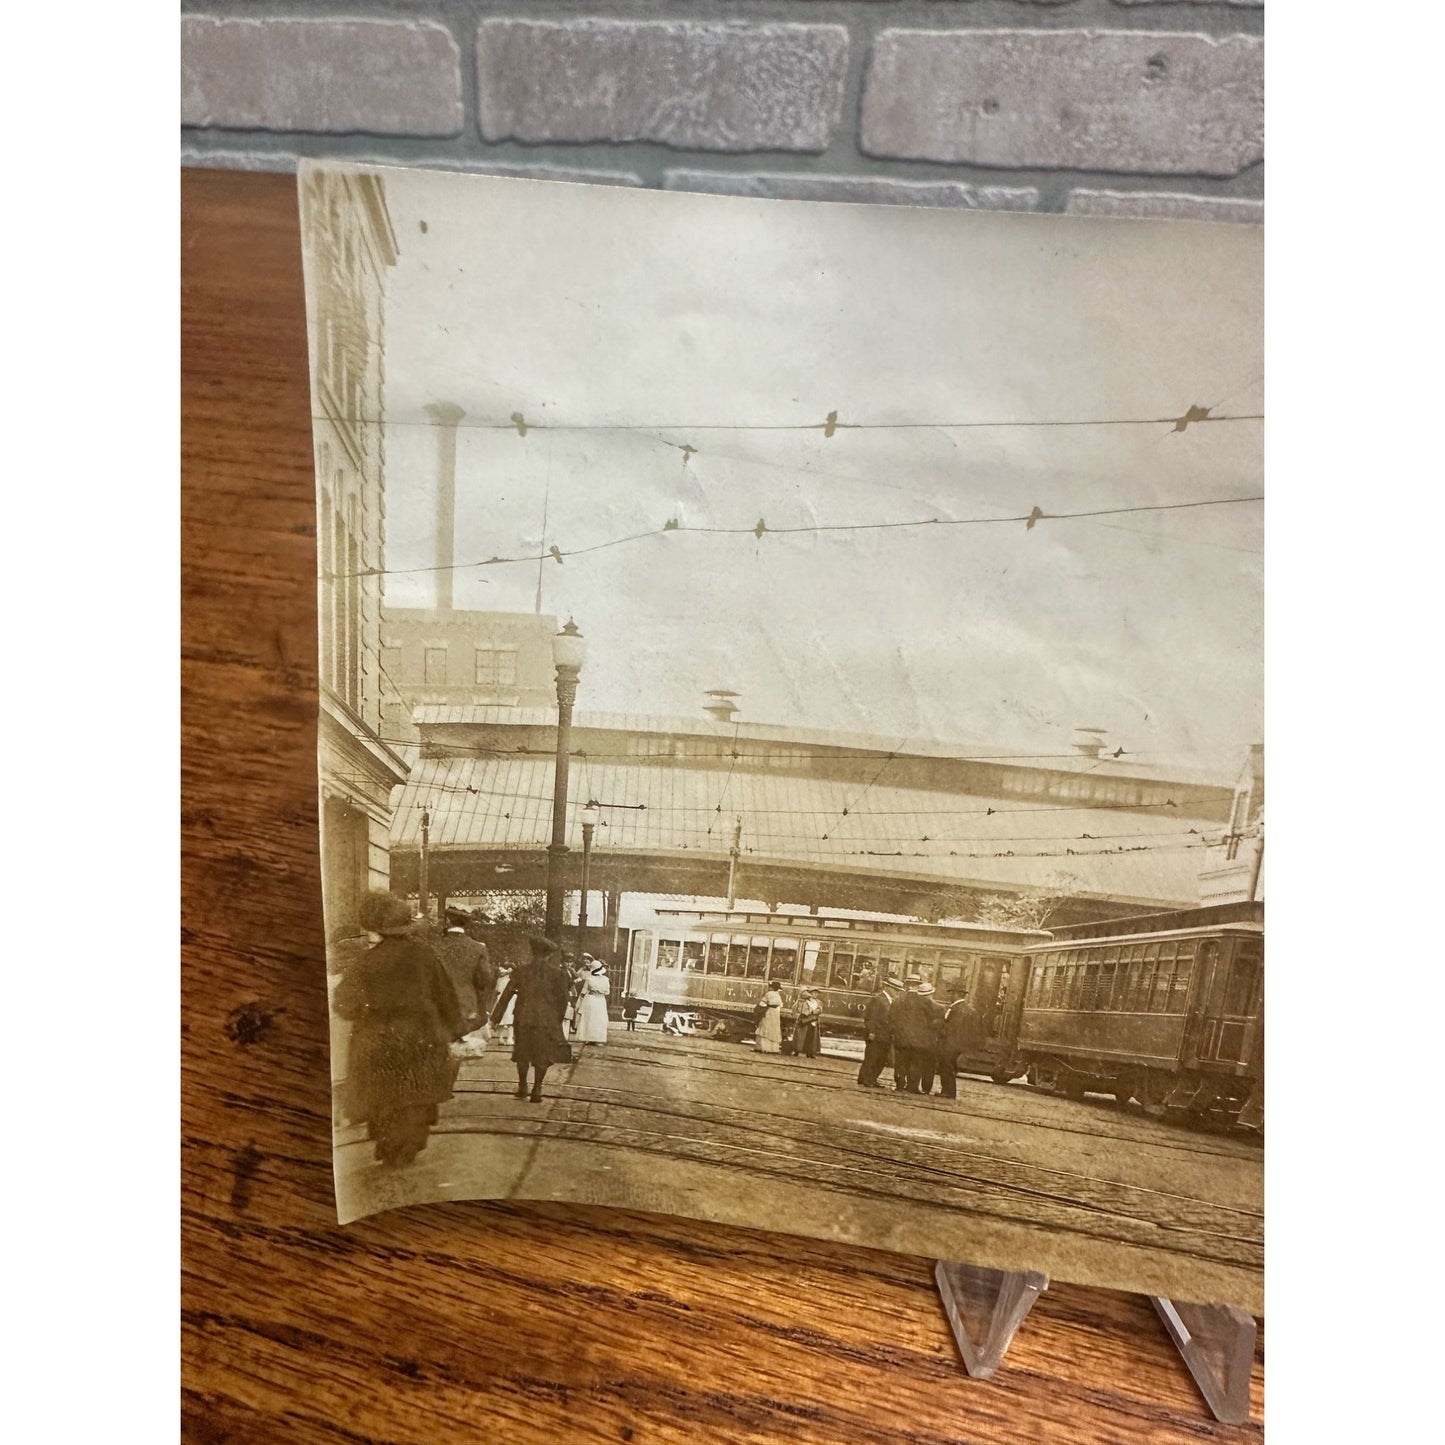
x=1217, y=1342
x=985, y=1307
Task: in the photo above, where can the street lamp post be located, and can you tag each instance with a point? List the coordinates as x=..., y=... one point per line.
x=569, y=650
x=588, y=818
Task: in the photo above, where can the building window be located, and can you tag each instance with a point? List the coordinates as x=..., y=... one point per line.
x=496, y=666
x=434, y=667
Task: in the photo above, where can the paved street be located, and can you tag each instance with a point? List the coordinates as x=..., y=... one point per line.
x=1086, y=1191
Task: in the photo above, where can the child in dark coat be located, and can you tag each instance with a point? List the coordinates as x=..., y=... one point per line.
x=631, y=1007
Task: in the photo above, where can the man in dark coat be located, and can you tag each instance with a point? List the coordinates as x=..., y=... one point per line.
x=541, y=988
x=877, y=1038
x=915, y=1021
x=403, y=1012
x=469, y=967
x=959, y=1035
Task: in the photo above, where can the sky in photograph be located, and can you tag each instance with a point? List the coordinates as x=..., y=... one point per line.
x=627, y=325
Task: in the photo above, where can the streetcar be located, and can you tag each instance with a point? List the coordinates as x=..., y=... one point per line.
x=717, y=964
x=1166, y=1009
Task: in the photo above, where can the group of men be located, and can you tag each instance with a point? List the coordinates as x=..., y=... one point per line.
x=904, y=1026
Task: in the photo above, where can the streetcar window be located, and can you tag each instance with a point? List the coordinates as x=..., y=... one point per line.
x=813, y=954
x=667, y=951
x=1183, y=969
x=784, y=966
x=865, y=974
x=1159, y=1002
x=717, y=953
x=842, y=972
x=891, y=965
x=738, y=957
x=1089, y=986
x=694, y=955
x=952, y=968
x=925, y=965
x=1153, y=951
x=1144, y=984
x=758, y=958
x=1107, y=970
x=1239, y=995
x=641, y=946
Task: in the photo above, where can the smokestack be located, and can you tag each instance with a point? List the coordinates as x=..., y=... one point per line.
x=1089, y=741
x=720, y=705
x=445, y=415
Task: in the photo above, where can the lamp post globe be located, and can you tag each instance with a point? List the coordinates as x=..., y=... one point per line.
x=569, y=651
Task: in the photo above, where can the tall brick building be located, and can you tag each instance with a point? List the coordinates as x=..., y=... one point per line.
x=439, y=657
x=349, y=245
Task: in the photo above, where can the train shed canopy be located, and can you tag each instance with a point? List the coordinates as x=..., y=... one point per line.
x=827, y=818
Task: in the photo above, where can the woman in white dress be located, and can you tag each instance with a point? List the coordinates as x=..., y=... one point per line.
x=769, y=1036
x=592, y=1006
x=504, y=1029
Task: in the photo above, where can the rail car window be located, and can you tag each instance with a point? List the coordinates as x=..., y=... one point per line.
x=891, y=965
x=1179, y=994
x=1142, y=984
x=1163, y=976
x=667, y=952
x=813, y=955
x=758, y=958
x=784, y=966
x=737, y=956
x=694, y=955
x=641, y=947
x=717, y=953
x=841, y=975
x=1240, y=992
x=952, y=974
x=1107, y=971
x=1089, y=987
x=865, y=972
x=925, y=965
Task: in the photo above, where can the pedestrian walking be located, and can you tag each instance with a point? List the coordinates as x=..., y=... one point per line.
x=807, y=1038
x=404, y=1015
x=768, y=1038
x=592, y=998
x=538, y=989
x=470, y=969
x=877, y=1034
x=631, y=1007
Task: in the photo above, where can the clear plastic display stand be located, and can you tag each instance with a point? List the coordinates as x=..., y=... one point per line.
x=985, y=1307
x=1217, y=1342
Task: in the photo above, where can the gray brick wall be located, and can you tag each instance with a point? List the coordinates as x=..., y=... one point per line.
x=1100, y=107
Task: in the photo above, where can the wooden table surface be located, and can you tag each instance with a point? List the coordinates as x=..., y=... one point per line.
x=475, y=1321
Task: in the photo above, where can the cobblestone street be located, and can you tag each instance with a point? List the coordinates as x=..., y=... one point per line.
x=1084, y=1190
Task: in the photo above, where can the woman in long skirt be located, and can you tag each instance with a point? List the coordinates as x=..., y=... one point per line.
x=807, y=1042
x=769, y=1036
x=592, y=1006
x=405, y=1014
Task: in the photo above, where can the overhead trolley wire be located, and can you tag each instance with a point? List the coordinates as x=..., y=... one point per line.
x=760, y=529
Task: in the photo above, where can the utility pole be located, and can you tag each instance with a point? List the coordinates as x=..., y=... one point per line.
x=733, y=853
x=425, y=838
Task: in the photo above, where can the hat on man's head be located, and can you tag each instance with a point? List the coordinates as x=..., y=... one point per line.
x=383, y=912
x=913, y=980
x=925, y=988
x=458, y=917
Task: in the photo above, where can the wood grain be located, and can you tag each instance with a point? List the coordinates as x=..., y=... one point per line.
x=476, y=1321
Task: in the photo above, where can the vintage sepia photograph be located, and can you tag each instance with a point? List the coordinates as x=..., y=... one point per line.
x=791, y=714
